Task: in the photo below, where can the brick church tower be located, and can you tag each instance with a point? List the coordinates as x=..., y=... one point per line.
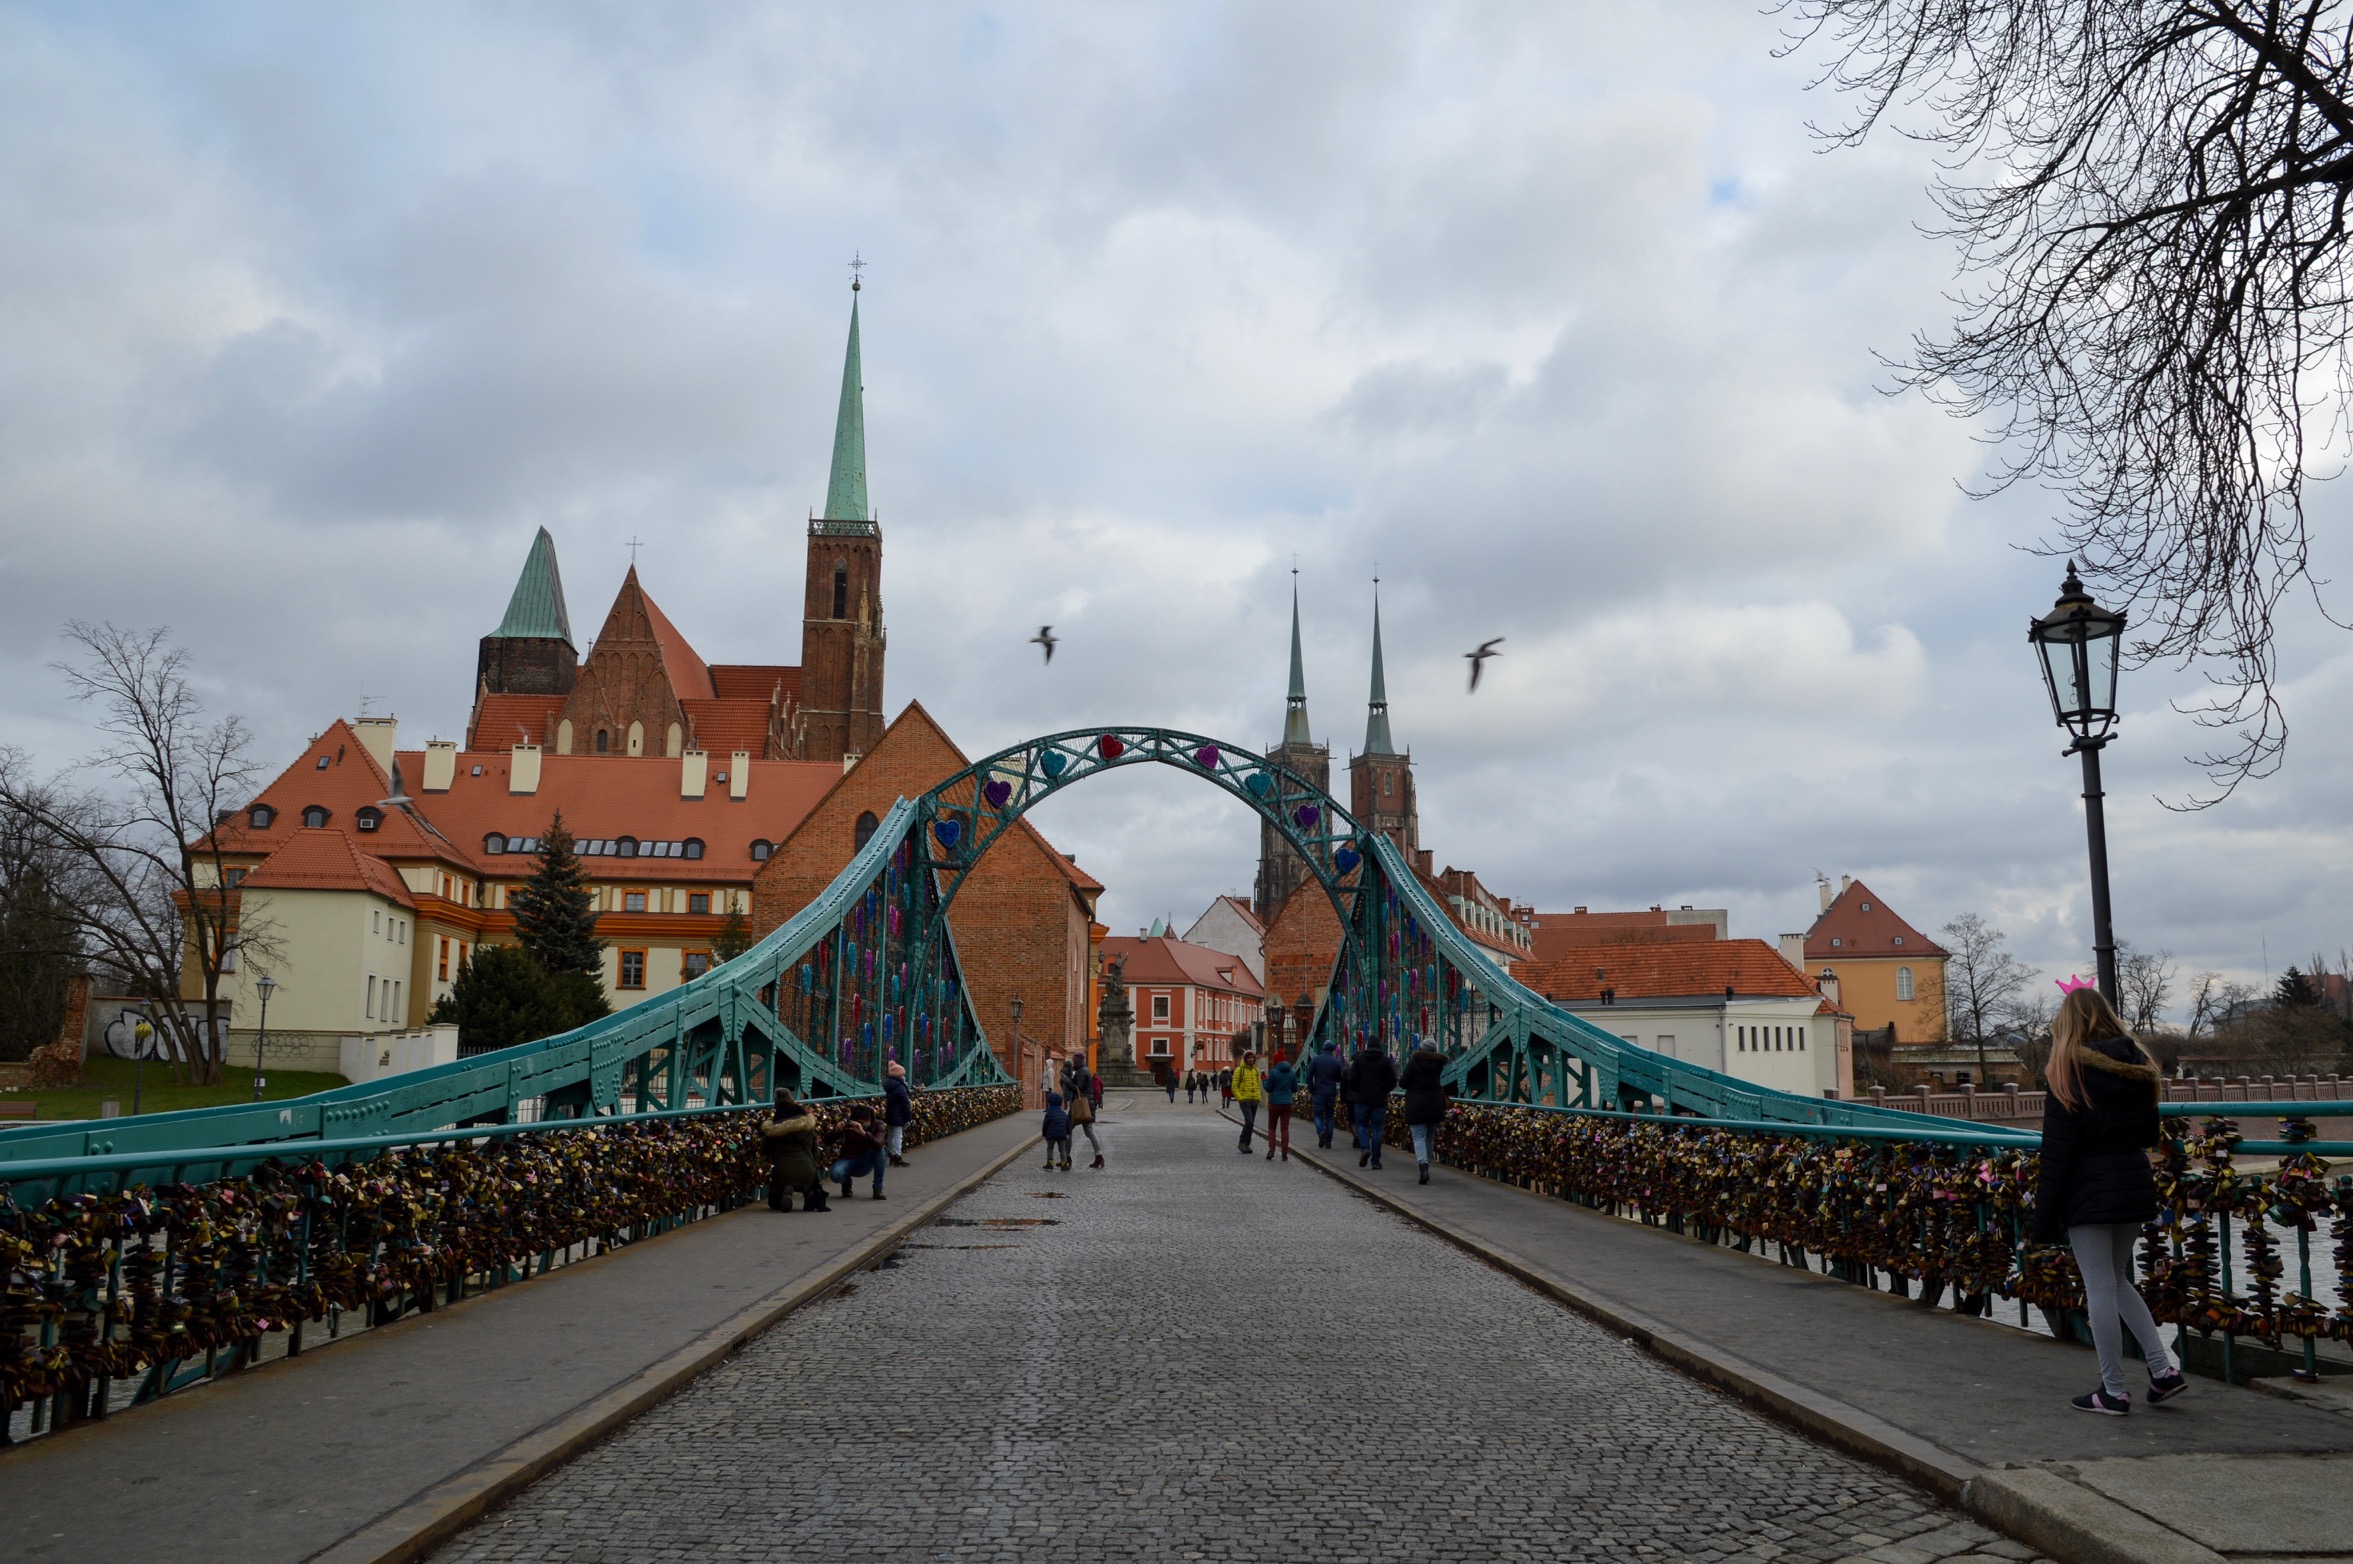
x=842, y=635
x=1280, y=870
x=1380, y=781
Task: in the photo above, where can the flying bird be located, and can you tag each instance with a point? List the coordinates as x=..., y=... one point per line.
x=1479, y=658
x=1045, y=638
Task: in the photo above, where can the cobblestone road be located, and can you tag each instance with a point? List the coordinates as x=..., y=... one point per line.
x=1194, y=1355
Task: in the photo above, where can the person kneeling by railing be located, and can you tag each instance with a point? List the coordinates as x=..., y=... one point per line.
x=790, y=1139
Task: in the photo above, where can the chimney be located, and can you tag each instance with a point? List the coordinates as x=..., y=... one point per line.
x=1793, y=950
x=523, y=770
x=1845, y=883
x=377, y=736
x=1822, y=887
x=739, y=775
x=441, y=766
x=1827, y=985
x=694, y=771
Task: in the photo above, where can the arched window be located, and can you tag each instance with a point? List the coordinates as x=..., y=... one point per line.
x=625, y=847
x=866, y=825
x=260, y=816
x=564, y=737
x=762, y=850
x=314, y=816
x=693, y=846
x=1903, y=982
x=637, y=738
x=493, y=844
x=841, y=589
x=369, y=818
x=604, y=742
x=674, y=744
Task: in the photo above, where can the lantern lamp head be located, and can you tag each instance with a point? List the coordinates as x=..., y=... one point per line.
x=2078, y=642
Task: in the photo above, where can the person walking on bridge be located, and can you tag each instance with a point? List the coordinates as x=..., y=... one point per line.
x=1055, y=1132
x=1248, y=1093
x=2099, y=1121
x=1282, y=1084
x=1081, y=1097
x=898, y=1111
x=1425, y=1102
x=1323, y=1090
x=1371, y=1078
x=1192, y=1079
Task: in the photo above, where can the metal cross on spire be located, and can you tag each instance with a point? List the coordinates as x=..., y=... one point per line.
x=858, y=263
x=634, y=544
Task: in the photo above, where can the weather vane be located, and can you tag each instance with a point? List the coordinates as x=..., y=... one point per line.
x=857, y=265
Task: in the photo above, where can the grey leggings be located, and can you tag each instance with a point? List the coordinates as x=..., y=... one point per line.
x=1089, y=1130
x=2103, y=1254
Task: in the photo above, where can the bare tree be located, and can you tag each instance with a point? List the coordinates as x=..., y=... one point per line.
x=147, y=882
x=1982, y=981
x=2151, y=200
x=2144, y=981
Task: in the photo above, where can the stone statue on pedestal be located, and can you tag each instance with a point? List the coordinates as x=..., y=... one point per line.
x=1116, y=1059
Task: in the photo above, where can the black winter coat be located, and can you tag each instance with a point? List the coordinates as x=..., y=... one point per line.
x=2095, y=1163
x=898, y=1103
x=1323, y=1076
x=1370, y=1079
x=1425, y=1099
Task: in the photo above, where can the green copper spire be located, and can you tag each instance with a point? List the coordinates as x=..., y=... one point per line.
x=536, y=611
x=1376, y=722
x=1295, y=704
x=845, y=494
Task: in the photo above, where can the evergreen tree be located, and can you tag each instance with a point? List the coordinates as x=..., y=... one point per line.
x=2295, y=992
x=555, y=921
x=501, y=997
x=732, y=940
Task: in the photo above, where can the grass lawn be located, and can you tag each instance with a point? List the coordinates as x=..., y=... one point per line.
x=159, y=1093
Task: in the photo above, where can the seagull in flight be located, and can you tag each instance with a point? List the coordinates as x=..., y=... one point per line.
x=1045, y=638
x=1479, y=658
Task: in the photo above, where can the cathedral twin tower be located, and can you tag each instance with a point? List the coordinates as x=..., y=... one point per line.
x=644, y=691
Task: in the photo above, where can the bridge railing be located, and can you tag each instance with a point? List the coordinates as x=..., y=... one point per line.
x=151, y=1274
x=1946, y=1211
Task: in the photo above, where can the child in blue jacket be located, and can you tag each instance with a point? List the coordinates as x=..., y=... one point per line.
x=1057, y=1133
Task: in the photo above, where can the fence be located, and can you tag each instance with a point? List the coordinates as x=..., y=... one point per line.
x=164, y=1285
x=2011, y=1105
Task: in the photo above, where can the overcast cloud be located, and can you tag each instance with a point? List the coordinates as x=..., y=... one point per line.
x=1554, y=312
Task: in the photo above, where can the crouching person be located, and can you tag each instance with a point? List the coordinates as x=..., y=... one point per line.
x=861, y=1151
x=790, y=1140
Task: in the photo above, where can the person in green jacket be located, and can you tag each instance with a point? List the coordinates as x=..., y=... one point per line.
x=1249, y=1092
x=1282, y=1084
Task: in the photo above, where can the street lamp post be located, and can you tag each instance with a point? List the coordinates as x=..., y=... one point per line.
x=265, y=986
x=2078, y=641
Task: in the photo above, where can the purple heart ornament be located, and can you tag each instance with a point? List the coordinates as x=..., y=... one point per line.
x=1206, y=757
x=997, y=792
x=1307, y=815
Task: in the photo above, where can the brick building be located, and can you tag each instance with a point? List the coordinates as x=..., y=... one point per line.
x=1023, y=921
x=1281, y=870
x=1190, y=1001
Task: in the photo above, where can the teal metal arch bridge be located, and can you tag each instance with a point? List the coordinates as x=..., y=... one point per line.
x=868, y=973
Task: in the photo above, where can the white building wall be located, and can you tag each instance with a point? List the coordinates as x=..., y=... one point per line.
x=1710, y=1036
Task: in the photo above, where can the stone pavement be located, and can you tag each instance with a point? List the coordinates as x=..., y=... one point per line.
x=1196, y=1355
x=351, y=1444
x=1973, y=1408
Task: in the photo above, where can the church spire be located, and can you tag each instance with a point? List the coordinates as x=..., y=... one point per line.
x=1376, y=722
x=1295, y=704
x=536, y=611
x=845, y=492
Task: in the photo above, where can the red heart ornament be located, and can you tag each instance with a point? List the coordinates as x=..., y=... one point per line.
x=1110, y=746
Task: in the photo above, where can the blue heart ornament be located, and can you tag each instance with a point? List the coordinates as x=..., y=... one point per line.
x=1259, y=784
x=1052, y=762
x=1346, y=860
x=948, y=831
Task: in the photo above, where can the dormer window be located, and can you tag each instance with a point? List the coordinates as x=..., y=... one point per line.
x=762, y=850
x=322, y=763
x=315, y=816
x=260, y=816
x=368, y=819
x=494, y=844
x=1835, y=942
x=1899, y=939
x=693, y=846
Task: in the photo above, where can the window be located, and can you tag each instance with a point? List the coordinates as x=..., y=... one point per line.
x=698, y=901
x=865, y=834
x=260, y=816
x=1866, y=906
x=1903, y=982
x=762, y=850
x=368, y=819
x=692, y=847
x=697, y=963
x=375, y=920
x=236, y=878
x=625, y=847
x=633, y=965
x=371, y=999
x=841, y=589
x=315, y=816
x=1835, y=942
x=1899, y=939
x=604, y=742
x=443, y=970
x=322, y=765
x=1159, y=1007
x=633, y=901
x=493, y=845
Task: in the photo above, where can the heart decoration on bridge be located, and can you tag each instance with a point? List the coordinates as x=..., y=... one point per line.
x=997, y=792
x=1110, y=746
x=1206, y=757
x=1346, y=860
x=1052, y=762
x=1307, y=815
x=1259, y=784
x=947, y=831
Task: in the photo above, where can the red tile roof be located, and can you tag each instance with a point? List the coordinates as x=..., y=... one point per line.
x=724, y=726
x=1557, y=933
x=325, y=859
x=1751, y=968
x=754, y=681
x=507, y=720
x=1167, y=961
x=690, y=677
x=1860, y=924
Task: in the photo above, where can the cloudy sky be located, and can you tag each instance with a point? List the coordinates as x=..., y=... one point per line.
x=1552, y=312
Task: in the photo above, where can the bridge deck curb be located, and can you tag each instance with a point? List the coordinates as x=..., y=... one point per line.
x=416, y=1528
x=2041, y=1508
